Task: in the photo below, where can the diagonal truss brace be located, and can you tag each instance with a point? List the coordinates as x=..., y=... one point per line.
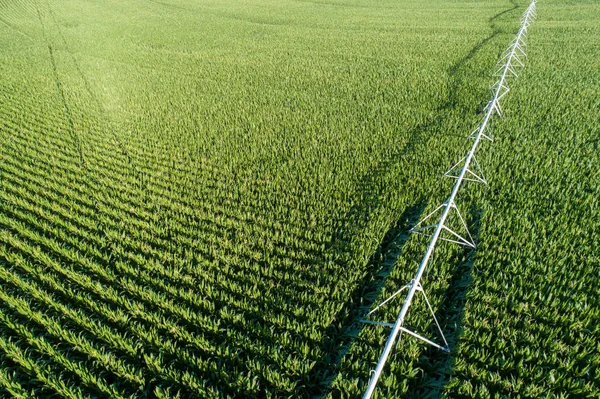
x=455, y=237
x=419, y=288
x=485, y=134
x=476, y=176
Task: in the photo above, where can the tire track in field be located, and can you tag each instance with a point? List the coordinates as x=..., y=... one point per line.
x=134, y=170
x=59, y=85
x=88, y=87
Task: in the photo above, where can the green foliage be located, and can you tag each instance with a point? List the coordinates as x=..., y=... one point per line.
x=200, y=198
x=521, y=310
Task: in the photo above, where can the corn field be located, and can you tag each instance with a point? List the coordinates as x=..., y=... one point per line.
x=201, y=199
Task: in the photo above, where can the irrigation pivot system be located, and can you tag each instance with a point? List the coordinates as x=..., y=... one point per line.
x=466, y=169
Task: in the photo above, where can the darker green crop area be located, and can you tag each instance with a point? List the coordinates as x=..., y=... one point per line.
x=202, y=198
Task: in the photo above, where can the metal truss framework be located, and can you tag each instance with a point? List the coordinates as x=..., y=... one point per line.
x=467, y=169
